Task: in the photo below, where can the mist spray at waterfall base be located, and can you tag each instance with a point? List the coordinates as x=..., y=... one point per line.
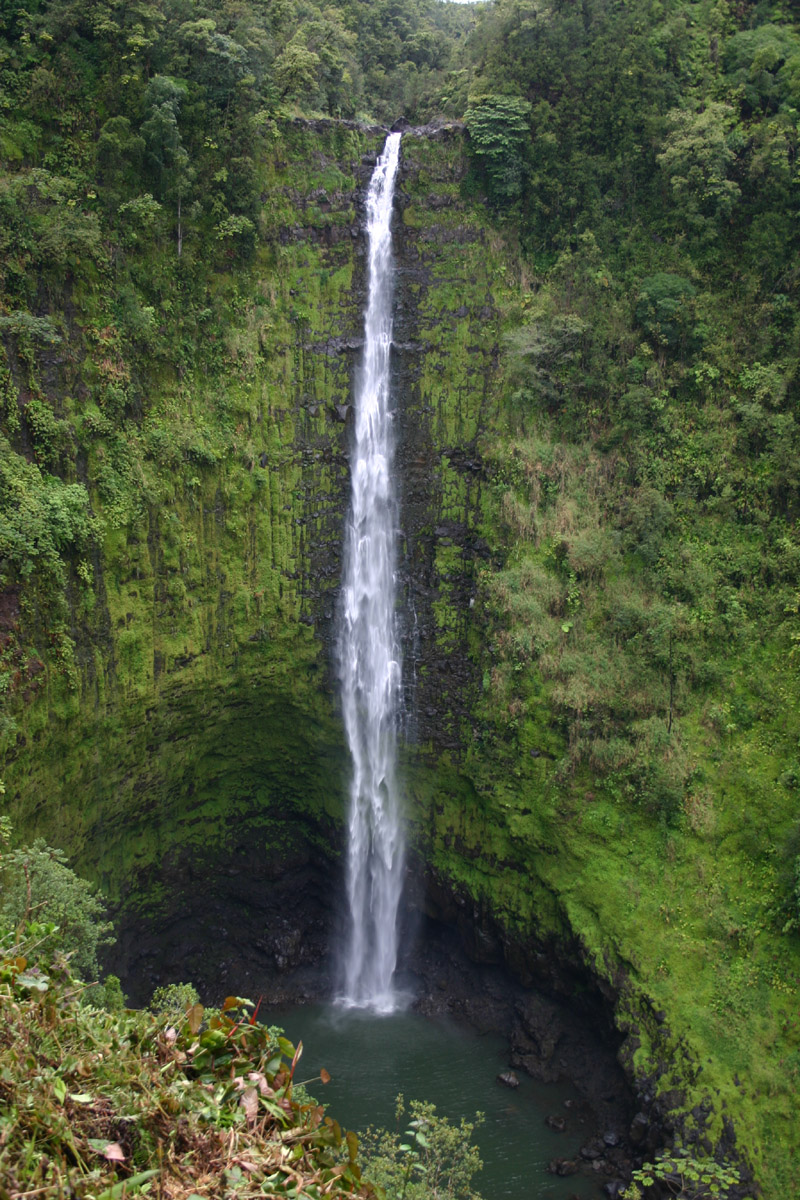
x=369, y=650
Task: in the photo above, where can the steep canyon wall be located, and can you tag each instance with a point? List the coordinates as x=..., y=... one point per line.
x=188, y=755
x=170, y=710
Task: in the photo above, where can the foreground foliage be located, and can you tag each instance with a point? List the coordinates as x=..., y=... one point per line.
x=95, y=1103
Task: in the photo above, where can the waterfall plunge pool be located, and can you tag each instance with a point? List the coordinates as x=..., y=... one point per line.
x=373, y=1058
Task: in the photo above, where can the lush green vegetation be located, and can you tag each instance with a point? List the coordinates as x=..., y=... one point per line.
x=629, y=766
x=105, y=1102
x=131, y=205
x=38, y=890
x=684, y=1176
x=431, y=1157
x=640, y=680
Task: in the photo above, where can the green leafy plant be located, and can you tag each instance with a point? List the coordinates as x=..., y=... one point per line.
x=499, y=133
x=433, y=1158
x=792, y=905
x=99, y=1102
x=173, y=1000
x=38, y=890
x=685, y=1176
x=665, y=309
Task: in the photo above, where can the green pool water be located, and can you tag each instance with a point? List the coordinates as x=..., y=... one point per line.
x=373, y=1058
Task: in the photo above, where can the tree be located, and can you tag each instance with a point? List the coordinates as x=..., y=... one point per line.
x=164, y=143
x=119, y=156
x=296, y=68
x=37, y=886
x=697, y=159
x=434, y=1159
x=216, y=61
x=665, y=309
x=499, y=133
x=763, y=65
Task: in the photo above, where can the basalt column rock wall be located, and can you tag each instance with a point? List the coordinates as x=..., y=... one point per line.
x=451, y=266
x=192, y=761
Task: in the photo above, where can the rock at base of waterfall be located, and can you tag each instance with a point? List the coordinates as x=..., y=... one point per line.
x=508, y=1079
x=563, y=1167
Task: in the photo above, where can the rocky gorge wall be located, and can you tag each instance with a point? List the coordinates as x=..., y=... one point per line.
x=187, y=751
x=192, y=749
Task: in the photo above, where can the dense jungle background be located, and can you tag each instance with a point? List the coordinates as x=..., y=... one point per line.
x=598, y=307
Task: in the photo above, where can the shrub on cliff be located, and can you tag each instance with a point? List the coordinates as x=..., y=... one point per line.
x=499, y=132
x=685, y=1177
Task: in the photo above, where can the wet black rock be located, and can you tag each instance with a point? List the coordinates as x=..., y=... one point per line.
x=656, y=1136
x=437, y=130
x=591, y=1150
x=563, y=1167
x=509, y=1079
x=638, y=1130
x=322, y=124
x=535, y=1036
x=276, y=956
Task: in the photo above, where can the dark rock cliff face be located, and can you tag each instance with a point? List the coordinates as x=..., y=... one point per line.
x=445, y=382
x=445, y=366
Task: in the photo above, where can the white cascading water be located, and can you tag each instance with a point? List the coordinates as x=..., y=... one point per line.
x=368, y=643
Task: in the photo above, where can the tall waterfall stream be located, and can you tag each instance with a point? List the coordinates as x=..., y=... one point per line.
x=376, y=1048
x=368, y=644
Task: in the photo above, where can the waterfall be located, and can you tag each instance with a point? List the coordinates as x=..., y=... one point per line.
x=368, y=642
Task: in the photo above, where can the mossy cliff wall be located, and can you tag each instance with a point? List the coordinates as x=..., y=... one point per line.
x=182, y=741
x=177, y=727
x=450, y=285
x=190, y=745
